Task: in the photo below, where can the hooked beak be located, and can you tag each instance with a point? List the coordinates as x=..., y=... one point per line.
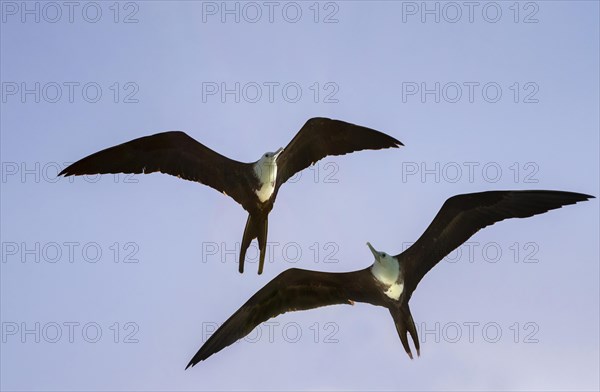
x=372, y=249
x=279, y=151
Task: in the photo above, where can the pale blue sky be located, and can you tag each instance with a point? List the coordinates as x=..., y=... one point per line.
x=542, y=133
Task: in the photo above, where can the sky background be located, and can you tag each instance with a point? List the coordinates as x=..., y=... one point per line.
x=114, y=282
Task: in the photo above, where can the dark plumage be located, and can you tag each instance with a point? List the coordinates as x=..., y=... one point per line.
x=180, y=155
x=459, y=218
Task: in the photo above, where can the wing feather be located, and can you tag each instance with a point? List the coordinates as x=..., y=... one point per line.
x=462, y=216
x=292, y=290
x=320, y=137
x=173, y=153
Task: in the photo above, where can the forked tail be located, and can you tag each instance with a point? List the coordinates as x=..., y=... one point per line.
x=405, y=325
x=257, y=226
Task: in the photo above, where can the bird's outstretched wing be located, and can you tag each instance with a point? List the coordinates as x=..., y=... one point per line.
x=173, y=153
x=293, y=289
x=462, y=216
x=321, y=137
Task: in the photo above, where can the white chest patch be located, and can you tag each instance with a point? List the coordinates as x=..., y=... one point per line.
x=387, y=272
x=266, y=172
x=395, y=291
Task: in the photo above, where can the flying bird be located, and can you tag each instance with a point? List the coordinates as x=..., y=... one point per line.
x=390, y=280
x=253, y=185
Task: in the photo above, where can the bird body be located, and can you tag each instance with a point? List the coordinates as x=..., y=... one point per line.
x=386, y=270
x=391, y=280
x=265, y=170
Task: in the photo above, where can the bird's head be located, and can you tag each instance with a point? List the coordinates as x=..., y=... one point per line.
x=379, y=256
x=266, y=166
x=270, y=157
x=385, y=268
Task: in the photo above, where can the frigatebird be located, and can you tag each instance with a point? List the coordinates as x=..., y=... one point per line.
x=254, y=185
x=390, y=280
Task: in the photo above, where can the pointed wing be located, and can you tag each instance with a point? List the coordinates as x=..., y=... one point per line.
x=173, y=153
x=321, y=137
x=292, y=290
x=462, y=216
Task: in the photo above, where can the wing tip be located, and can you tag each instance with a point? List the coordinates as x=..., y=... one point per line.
x=385, y=140
x=194, y=361
x=390, y=141
x=573, y=197
x=191, y=364
x=67, y=172
x=70, y=171
x=569, y=197
x=586, y=197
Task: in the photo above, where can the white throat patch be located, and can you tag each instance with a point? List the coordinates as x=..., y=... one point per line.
x=266, y=172
x=387, y=271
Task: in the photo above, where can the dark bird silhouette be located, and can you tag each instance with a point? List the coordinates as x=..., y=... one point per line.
x=390, y=280
x=253, y=185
